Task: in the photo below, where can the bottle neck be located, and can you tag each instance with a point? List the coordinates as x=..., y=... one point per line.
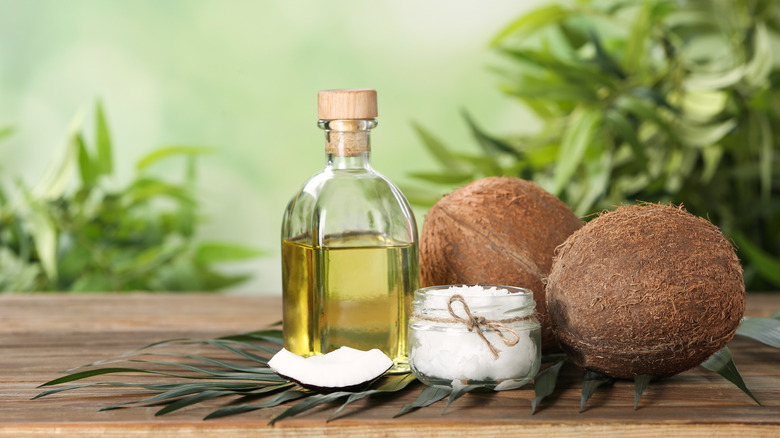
x=348, y=143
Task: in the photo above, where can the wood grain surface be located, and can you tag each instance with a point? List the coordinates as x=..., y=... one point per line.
x=42, y=335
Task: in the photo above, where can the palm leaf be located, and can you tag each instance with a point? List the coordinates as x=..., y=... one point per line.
x=592, y=381
x=428, y=396
x=723, y=363
x=640, y=384
x=545, y=382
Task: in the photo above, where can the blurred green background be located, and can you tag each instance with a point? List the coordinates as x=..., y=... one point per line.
x=242, y=76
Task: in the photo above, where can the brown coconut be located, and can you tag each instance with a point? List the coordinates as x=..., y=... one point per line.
x=648, y=289
x=497, y=230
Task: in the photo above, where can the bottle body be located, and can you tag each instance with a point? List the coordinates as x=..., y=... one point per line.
x=349, y=258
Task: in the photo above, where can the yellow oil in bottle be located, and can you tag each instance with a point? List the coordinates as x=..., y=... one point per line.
x=354, y=290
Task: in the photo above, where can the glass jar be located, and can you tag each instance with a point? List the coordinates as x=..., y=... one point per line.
x=474, y=335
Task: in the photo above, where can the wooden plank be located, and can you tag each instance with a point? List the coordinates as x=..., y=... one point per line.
x=42, y=335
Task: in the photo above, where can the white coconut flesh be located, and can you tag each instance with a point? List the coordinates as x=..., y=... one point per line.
x=342, y=368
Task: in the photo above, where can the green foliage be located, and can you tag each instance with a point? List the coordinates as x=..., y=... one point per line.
x=655, y=100
x=75, y=232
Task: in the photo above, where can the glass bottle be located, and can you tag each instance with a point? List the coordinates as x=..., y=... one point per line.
x=349, y=244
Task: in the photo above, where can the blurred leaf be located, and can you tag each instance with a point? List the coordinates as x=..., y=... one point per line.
x=420, y=196
x=531, y=22
x=765, y=330
x=703, y=136
x=638, y=36
x=54, y=183
x=766, y=154
x=545, y=382
x=580, y=131
x=591, y=381
x=439, y=151
x=87, y=169
x=711, y=156
x=442, y=177
x=598, y=178
x=768, y=267
x=604, y=59
x=627, y=133
x=104, y=159
x=715, y=81
x=760, y=65
x=169, y=151
x=44, y=235
x=146, y=189
x=723, y=363
x=640, y=384
x=489, y=144
x=530, y=87
x=217, y=252
x=6, y=131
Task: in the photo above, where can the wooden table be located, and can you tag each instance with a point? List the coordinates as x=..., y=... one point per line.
x=44, y=334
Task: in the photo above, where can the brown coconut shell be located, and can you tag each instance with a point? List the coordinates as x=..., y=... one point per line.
x=496, y=230
x=648, y=289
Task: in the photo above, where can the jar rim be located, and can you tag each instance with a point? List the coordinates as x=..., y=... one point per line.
x=513, y=290
x=477, y=302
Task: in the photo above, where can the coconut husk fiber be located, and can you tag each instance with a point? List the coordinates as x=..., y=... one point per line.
x=648, y=289
x=496, y=230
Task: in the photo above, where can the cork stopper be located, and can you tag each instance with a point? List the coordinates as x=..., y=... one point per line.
x=347, y=104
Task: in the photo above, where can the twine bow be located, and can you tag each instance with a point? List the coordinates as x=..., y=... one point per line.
x=480, y=323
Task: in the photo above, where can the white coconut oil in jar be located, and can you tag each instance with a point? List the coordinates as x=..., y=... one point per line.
x=474, y=335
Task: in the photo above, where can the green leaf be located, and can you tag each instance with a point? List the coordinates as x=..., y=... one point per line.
x=639, y=34
x=531, y=22
x=545, y=382
x=445, y=178
x=765, y=154
x=604, y=60
x=216, y=252
x=428, y=396
x=723, y=363
x=704, y=135
x=640, y=384
x=54, y=183
x=390, y=384
x=439, y=150
x=44, y=234
x=766, y=330
x=591, y=381
x=87, y=169
x=626, y=132
x=104, y=159
x=490, y=144
x=310, y=402
x=283, y=397
x=577, y=137
x=458, y=392
x=759, y=67
x=421, y=196
x=766, y=264
x=169, y=151
x=6, y=131
x=91, y=373
x=191, y=400
x=715, y=81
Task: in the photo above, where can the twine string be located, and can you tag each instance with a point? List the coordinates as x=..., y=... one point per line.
x=479, y=324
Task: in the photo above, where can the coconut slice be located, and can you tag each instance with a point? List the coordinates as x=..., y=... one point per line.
x=340, y=370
